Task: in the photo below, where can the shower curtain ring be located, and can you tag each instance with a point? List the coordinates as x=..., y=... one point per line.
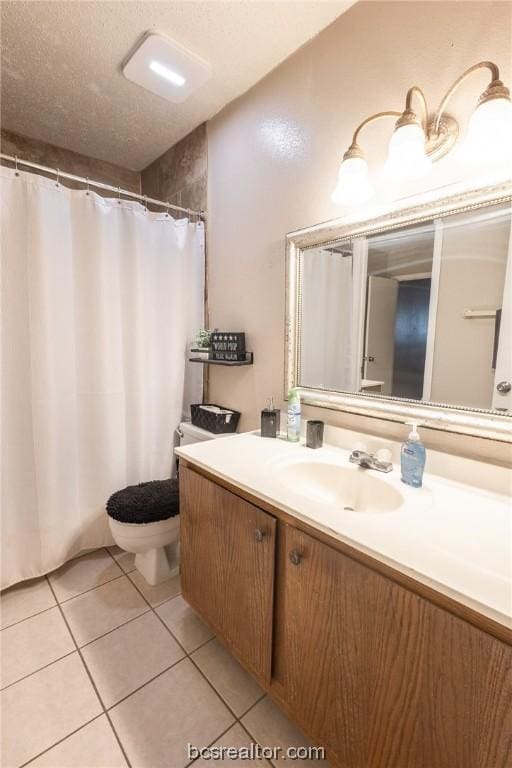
x=146, y=203
x=167, y=210
x=58, y=176
x=119, y=195
x=16, y=172
x=87, y=187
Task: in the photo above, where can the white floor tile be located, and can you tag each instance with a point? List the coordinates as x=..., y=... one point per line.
x=160, y=593
x=184, y=623
x=93, y=746
x=234, y=684
x=235, y=737
x=270, y=727
x=102, y=609
x=129, y=656
x=83, y=573
x=44, y=708
x=125, y=559
x=156, y=723
x=24, y=600
x=32, y=644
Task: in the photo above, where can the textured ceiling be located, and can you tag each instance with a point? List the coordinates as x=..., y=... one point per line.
x=61, y=67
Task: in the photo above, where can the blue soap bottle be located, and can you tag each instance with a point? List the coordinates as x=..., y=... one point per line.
x=412, y=458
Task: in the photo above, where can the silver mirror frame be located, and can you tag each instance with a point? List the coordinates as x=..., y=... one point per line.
x=456, y=198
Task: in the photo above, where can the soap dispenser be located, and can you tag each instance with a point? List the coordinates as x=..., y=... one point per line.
x=270, y=418
x=412, y=458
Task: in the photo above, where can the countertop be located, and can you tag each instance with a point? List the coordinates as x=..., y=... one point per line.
x=454, y=537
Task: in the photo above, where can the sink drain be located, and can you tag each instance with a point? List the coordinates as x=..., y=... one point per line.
x=349, y=509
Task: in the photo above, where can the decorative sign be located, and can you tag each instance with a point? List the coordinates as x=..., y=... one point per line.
x=227, y=345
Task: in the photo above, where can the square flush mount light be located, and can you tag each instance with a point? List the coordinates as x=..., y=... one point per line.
x=166, y=68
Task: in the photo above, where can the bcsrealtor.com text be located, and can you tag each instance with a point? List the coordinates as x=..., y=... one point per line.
x=255, y=751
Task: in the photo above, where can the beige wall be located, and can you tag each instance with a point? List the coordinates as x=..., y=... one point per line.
x=273, y=156
x=56, y=157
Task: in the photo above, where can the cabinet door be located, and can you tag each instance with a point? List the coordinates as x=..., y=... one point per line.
x=382, y=677
x=227, y=567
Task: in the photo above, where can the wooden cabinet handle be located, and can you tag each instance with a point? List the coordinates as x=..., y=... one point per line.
x=259, y=534
x=295, y=556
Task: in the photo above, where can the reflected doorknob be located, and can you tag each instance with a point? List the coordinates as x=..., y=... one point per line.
x=504, y=387
x=259, y=534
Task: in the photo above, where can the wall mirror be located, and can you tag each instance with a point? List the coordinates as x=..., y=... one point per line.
x=408, y=314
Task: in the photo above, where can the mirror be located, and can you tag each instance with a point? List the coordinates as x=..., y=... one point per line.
x=418, y=312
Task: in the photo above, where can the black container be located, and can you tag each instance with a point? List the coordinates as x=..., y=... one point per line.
x=218, y=423
x=270, y=422
x=314, y=434
x=227, y=345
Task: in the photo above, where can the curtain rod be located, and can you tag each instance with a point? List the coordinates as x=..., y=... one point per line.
x=99, y=184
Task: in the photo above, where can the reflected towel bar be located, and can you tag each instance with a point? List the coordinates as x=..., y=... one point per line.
x=469, y=313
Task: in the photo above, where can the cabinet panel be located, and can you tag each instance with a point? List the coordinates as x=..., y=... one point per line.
x=384, y=678
x=227, y=567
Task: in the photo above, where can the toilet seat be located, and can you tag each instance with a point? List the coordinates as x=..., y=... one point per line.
x=145, y=503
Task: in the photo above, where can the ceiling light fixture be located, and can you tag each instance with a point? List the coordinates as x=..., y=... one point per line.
x=164, y=67
x=169, y=74
x=418, y=141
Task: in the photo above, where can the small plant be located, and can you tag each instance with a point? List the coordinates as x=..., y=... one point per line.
x=203, y=338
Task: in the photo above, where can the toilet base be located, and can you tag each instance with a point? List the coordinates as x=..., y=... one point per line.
x=159, y=564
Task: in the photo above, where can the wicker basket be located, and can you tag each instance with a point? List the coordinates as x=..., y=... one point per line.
x=218, y=423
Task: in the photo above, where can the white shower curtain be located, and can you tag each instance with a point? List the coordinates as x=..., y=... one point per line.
x=333, y=304
x=100, y=299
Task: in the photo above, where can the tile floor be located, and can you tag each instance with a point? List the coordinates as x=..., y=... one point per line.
x=101, y=670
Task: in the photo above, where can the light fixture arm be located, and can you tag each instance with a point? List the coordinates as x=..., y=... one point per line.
x=408, y=104
x=495, y=80
x=354, y=150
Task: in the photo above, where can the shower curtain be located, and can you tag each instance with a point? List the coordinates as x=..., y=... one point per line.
x=333, y=304
x=100, y=299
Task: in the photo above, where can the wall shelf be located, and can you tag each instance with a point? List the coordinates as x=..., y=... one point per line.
x=249, y=359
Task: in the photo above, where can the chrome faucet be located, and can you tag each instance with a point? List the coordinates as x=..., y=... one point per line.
x=369, y=461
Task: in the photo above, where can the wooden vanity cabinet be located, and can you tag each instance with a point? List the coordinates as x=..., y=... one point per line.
x=227, y=568
x=371, y=670
x=382, y=677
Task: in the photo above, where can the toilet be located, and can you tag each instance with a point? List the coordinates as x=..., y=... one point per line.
x=156, y=544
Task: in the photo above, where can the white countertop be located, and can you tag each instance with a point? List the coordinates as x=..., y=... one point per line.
x=456, y=538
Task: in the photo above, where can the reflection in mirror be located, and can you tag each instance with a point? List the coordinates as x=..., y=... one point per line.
x=422, y=313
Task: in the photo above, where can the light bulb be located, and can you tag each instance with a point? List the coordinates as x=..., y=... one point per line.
x=407, y=158
x=489, y=135
x=353, y=185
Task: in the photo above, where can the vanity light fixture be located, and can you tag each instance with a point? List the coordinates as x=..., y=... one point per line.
x=417, y=141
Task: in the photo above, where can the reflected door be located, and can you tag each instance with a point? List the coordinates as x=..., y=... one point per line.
x=411, y=326
x=380, y=333
x=502, y=393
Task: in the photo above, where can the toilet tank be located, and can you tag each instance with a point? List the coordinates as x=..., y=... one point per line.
x=188, y=434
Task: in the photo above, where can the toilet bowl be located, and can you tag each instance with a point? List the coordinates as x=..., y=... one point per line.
x=156, y=544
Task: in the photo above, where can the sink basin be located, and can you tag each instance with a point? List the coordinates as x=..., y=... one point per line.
x=350, y=489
